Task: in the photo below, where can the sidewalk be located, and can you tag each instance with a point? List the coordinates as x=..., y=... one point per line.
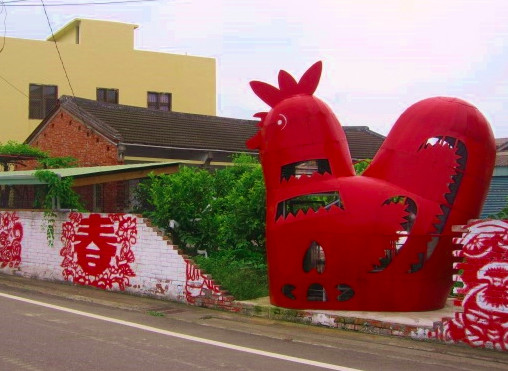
x=407, y=324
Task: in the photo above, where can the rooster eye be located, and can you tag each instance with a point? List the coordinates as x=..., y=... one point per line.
x=282, y=121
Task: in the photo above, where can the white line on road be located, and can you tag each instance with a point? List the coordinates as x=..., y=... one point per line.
x=182, y=336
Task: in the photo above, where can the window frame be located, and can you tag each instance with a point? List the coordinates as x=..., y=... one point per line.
x=158, y=104
x=44, y=101
x=105, y=92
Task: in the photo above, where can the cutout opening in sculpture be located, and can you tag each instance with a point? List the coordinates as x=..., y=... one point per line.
x=309, y=203
x=460, y=151
x=314, y=258
x=419, y=265
x=316, y=292
x=305, y=168
x=401, y=236
x=287, y=290
x=346, y=292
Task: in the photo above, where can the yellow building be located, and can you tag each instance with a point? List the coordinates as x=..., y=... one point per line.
x=102, y=64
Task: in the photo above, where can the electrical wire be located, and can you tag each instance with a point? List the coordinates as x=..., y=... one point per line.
x=15, y=3
x=57, y=49
x=13, y=86
x=60, y=56
x=3, y=10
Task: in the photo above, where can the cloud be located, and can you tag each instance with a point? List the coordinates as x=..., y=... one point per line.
x=379, y=56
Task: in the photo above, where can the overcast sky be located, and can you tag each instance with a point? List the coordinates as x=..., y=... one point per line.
x=379, y=57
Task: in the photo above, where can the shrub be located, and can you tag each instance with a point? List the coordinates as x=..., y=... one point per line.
x=245, y=278
x=502, y=214
x=222, y=212
x=361, y=165
x=209, y=211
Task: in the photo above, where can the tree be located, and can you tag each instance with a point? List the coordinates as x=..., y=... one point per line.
x=14, y=153
x=209, y=211
x=222, y=212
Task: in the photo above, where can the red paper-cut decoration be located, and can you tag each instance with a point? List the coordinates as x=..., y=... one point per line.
x=385, y=237
x=11, y=234
x=483, y=321
x=199, y=287
x=97, y=250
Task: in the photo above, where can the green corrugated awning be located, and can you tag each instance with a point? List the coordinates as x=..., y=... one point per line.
x=91, y=175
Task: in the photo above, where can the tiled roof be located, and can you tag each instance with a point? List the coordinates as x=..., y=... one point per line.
x=501, y=144
x=152, y=130
x=363, y=143
x=502, y=151
x=502, y=159
x=136, y=125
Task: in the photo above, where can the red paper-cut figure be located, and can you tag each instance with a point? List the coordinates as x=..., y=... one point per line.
x=380, y=241
x=97, y=250
x=483, y=320
x=199, y=287
x=95, y=244
x=11, y=235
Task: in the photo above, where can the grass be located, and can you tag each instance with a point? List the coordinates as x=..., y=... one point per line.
x=242, y=279
x=155, y=313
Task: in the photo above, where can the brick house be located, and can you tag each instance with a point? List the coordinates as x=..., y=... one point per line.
x=98, y=133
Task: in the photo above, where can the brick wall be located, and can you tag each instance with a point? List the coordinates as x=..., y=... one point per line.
x=118, y=252
x=63, y=135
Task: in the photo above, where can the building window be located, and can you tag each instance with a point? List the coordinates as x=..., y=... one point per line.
x=107, y=95
x=42, y=99
x=159, y=101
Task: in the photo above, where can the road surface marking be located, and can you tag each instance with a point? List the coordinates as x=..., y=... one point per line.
x=196, y=339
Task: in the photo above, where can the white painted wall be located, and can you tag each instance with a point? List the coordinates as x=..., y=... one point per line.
x=156, y=267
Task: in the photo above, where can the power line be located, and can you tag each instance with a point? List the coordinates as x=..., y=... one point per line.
x=15, y=3
x=13, y=86
x=4, y=10
x=56, y=46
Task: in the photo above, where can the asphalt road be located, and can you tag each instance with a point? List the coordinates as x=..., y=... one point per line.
x=47, y=326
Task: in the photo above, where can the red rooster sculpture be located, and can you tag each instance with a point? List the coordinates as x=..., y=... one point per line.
x=381, y=241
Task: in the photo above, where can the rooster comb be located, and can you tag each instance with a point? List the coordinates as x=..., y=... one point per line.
x=288, y=86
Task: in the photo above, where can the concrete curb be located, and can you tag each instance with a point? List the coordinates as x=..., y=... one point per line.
x=414, y=325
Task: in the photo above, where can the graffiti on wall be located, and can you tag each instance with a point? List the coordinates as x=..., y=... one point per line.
x=11, y=234
x=379, y=241
x=199, y=287
x=97, y=250
x=484, y=291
